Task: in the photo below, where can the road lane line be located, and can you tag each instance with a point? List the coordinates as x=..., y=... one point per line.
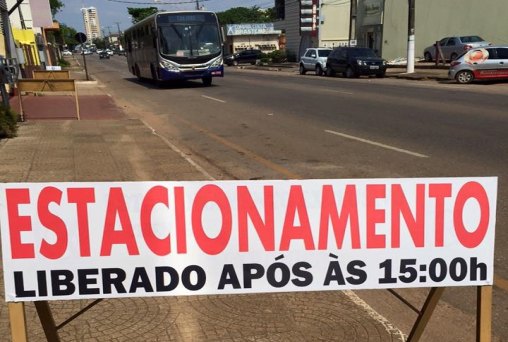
x=213, y=98
x=393, y=148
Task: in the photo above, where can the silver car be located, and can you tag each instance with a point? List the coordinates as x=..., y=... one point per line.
x=484, y=63
x=452, y=47
x=314, y=59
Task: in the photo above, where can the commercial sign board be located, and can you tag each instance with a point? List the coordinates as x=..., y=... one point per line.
x=309, y=16
x=137, y=239
x=251, y=29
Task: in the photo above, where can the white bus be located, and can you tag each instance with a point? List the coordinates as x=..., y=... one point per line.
x=170, y=46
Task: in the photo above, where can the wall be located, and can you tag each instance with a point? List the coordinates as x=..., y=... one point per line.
x=334, y=23
x=436, y=19
x=291, y=26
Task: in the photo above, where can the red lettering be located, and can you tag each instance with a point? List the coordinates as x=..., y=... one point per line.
x=82, y=197
x=440, y=192
x=155, y=195
x=471, y=190
x=415, y=223
x=374, y=216
x=18, y=223
x=54, y=223
x=117, y=207
x=247, y=209
x=290, y=231
x=181, y=238
x=348, y=213
x=211, y=193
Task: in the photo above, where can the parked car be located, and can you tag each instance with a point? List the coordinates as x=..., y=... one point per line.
x=485, y=63
x=314, y=59
x=354, y=62
x=452, y=47
x=66, y=53
x=251, y=56
x=103, y=54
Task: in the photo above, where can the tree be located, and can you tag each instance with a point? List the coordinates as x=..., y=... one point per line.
x=56, y=6
x=244, y=15
x=67, y=35
x=139, y=14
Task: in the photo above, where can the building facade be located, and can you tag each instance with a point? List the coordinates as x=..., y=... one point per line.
x=91, y=23
x=383, y=24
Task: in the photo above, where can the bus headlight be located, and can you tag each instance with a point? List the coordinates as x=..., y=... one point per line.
x=216, y=63
x=169, y=66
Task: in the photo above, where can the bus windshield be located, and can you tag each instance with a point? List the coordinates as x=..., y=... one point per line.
x=189, y=40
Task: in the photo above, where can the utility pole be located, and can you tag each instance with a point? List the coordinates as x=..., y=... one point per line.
x=352, y=20
x=411, y=38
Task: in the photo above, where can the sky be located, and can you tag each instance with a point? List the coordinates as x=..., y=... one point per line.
x=112, y=12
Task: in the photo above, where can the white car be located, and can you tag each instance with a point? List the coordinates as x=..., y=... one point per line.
x=66, y=53
x=314, y=59
x=484, y=63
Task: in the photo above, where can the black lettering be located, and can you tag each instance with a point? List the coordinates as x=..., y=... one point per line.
x=358, y=276
x=334, y=273
x=61, y=283
x=228, y=277
x=113, y=277
x=284, y=272
x=42, y=283
x=19, y=286
x=250, y=272
x=304, y=278
x=174, y=278
x=84, y=281
x=140, y=280
x=200, y=277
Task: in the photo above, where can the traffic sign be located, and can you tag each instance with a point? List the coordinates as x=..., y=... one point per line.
x=80, y=37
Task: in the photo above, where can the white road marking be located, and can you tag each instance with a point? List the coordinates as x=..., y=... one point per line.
x=342, y=92
x=377, y=144
x=213, y=98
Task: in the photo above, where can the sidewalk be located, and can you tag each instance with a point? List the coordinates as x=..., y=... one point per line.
x=107, y=145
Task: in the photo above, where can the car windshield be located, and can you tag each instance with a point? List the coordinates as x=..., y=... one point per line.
x=471, y=39
x=189, y=40
x=323, y=53
x=362, y=53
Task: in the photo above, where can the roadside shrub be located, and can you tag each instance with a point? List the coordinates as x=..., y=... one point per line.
x=8, y=122
x=278, y=56
x=63, y=63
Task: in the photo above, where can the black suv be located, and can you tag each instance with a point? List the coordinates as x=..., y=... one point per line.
x=246, y=56
x=355, y=61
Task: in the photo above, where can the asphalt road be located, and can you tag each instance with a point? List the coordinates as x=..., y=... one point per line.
x=276, y=125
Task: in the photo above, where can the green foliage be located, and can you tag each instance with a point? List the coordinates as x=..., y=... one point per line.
x=8, y=122
x=139, y=14
x=67, y=34
x=63, y=63
x=244, y=15
x=278, y=56
x=56, y=6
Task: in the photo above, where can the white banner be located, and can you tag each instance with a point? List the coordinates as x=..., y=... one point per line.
x=133, y=239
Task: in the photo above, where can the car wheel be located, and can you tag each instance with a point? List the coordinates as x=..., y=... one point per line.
x=235, y=63
x=464, y=77
x=427, y=56
x=329, y=71
x=350, y=72
x=207, y=81
x=319, y=70
x=302, y=69
x=453, y=56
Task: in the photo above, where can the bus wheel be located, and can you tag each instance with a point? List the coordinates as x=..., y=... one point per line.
x=207, y=81
x=137, y=73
